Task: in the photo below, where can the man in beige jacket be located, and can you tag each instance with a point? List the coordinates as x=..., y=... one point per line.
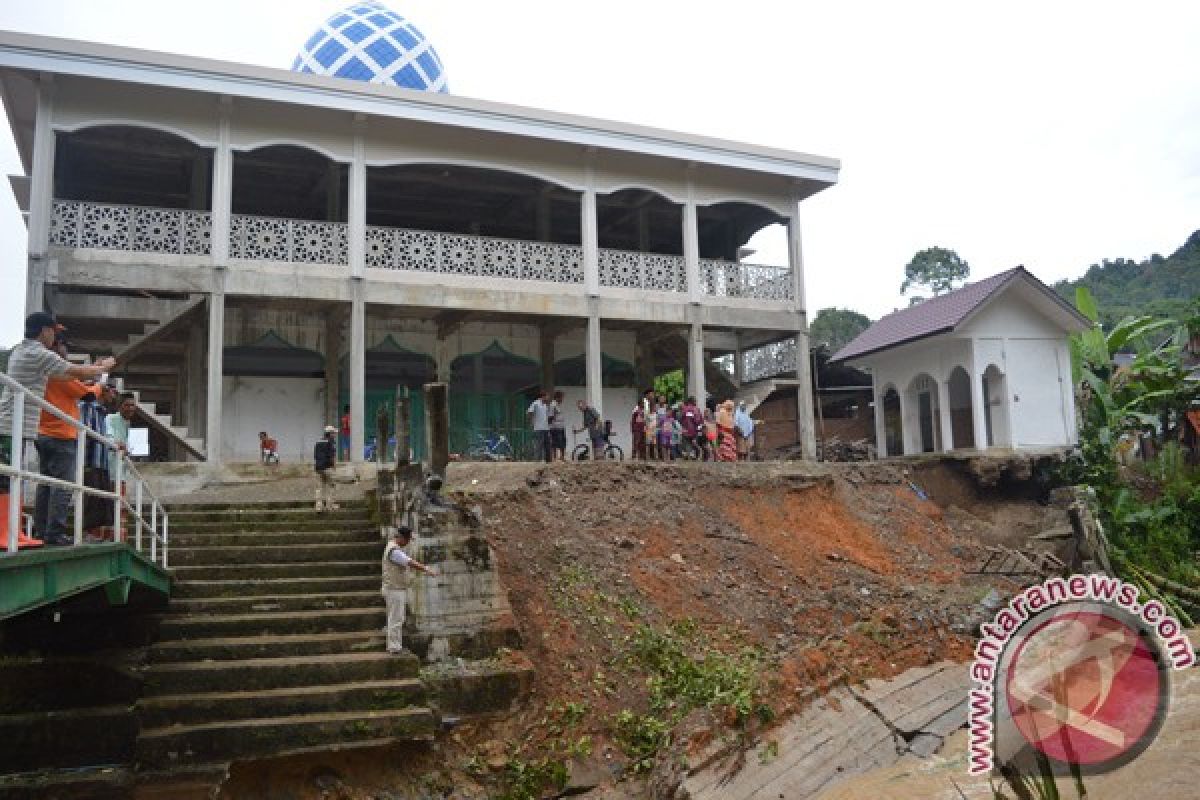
x=397, y=566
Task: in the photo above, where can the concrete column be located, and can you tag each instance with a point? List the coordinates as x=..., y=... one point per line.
x=194, y=386
x=695, y=383
x=796, y=260
x=978, y=407
x=546, y=355
x=880, y=420
x=945, y=422
x=739, y=363
x=805, y=430
x=441, y=355
x=216, y=359
x=691, y=246
x=41, y=190
x=41, y=196
x=358, y=373
x=222, y=186
x=334, y=344
x=437, y=427
x=589, y=235
x=356, y=229
x=592, y=357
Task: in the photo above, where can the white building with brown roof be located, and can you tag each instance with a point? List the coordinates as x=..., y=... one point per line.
x=985, y=366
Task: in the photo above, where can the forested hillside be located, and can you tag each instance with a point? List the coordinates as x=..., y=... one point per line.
x=1157, y=285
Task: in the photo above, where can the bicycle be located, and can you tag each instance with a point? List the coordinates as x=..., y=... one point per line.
x=583, y=451
x=493, y=447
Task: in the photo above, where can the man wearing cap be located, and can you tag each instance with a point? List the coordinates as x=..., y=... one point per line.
x=397, y=575
x=324, y=459
x=31, y=364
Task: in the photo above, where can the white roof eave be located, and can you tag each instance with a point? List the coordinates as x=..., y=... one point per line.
x=40, y=54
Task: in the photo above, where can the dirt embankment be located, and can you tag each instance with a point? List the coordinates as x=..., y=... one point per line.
x=665, y=607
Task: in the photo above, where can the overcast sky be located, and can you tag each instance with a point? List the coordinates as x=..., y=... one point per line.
x=1049, y=134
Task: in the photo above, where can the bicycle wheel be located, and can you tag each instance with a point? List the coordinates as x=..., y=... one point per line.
x=502, y=451
x=581, y=453
x=614, y=453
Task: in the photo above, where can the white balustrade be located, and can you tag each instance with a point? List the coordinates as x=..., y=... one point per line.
x=769, y=361
x=161, y=230
x=104, y=226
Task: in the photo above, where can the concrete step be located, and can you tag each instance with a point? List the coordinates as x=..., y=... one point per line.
x=237, y=538
x=68, y=738
x=193, y=709
x=187, y=516
x=276, y=673
x=241, y=647
x=105, y=782
x=221, y=741
x=279, y=505
x=275, y=554
x=479, y=687
x=186, y=588
x=234, y=572
x=209, y=626
x=315, y=522
x=259, y=604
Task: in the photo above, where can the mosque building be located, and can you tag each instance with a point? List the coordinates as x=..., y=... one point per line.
x=263, y=247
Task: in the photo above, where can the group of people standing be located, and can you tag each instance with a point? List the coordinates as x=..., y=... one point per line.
x=548, y=417
x=39, y=364
x=714, y=432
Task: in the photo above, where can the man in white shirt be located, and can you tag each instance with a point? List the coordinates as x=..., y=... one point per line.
x=396, y=578
x=539, y=416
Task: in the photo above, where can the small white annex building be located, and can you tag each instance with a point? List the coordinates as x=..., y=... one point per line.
x=985, y=366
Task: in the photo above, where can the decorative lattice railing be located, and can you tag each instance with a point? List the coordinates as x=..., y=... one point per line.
x=105, y=226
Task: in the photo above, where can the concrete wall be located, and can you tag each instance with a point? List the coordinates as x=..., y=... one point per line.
x=290, y=409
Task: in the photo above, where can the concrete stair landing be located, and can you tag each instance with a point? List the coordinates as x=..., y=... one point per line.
x=273, y=641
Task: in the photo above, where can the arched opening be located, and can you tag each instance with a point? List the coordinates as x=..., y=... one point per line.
x=962, y=423
x=923, y=402
x=449, y=198
x=131, y=165
x=893, y=424
x=640, y=221
x=743, y=251
x=995, y=395
x=489, y=392
x=291, y=182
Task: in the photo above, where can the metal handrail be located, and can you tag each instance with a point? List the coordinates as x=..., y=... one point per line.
x=126, y=474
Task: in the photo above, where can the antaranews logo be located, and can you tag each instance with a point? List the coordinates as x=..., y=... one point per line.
x=1076, y=668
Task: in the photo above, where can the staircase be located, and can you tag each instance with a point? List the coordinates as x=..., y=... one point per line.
x=273, y=641
x=188, y=314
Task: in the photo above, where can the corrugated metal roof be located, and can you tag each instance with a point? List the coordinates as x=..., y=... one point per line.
x=935, y=315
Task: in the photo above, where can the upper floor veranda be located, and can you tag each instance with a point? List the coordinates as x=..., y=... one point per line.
x=145, y=170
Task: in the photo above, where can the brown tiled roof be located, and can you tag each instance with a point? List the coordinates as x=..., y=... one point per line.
x=935, y=315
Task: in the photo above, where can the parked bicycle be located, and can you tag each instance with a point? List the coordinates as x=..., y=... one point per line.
x=493, y=447
x=583, y=450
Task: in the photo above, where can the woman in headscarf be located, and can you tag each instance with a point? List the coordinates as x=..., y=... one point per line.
x=727, y=450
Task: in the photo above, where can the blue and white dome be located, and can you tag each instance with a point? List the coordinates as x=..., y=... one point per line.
x=369, y=42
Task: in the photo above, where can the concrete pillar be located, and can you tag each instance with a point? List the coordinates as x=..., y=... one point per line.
x=356, y=227
x=592, y=358
x=437, y=427
x=945, y=421
x=546, y=355
x=739, y=363
x=334, y=345
x=880, y=420
x=222, y=186
x=358, y=373
x=691, y=247
x=441, y=355
x=194, y=386
x=805, y=432
x=589, y=236
x=978, y=407
x=695, y=383
x=796, y=260
x=41, y=196
x=216, y=358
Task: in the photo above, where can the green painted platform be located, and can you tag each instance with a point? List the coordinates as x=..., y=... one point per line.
x=38, y=578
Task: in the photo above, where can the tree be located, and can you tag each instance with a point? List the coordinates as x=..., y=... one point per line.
x=935, y=269
x=834, y=328
x=670, y=385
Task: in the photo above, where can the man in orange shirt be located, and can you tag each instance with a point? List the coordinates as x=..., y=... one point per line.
x=56, y=455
